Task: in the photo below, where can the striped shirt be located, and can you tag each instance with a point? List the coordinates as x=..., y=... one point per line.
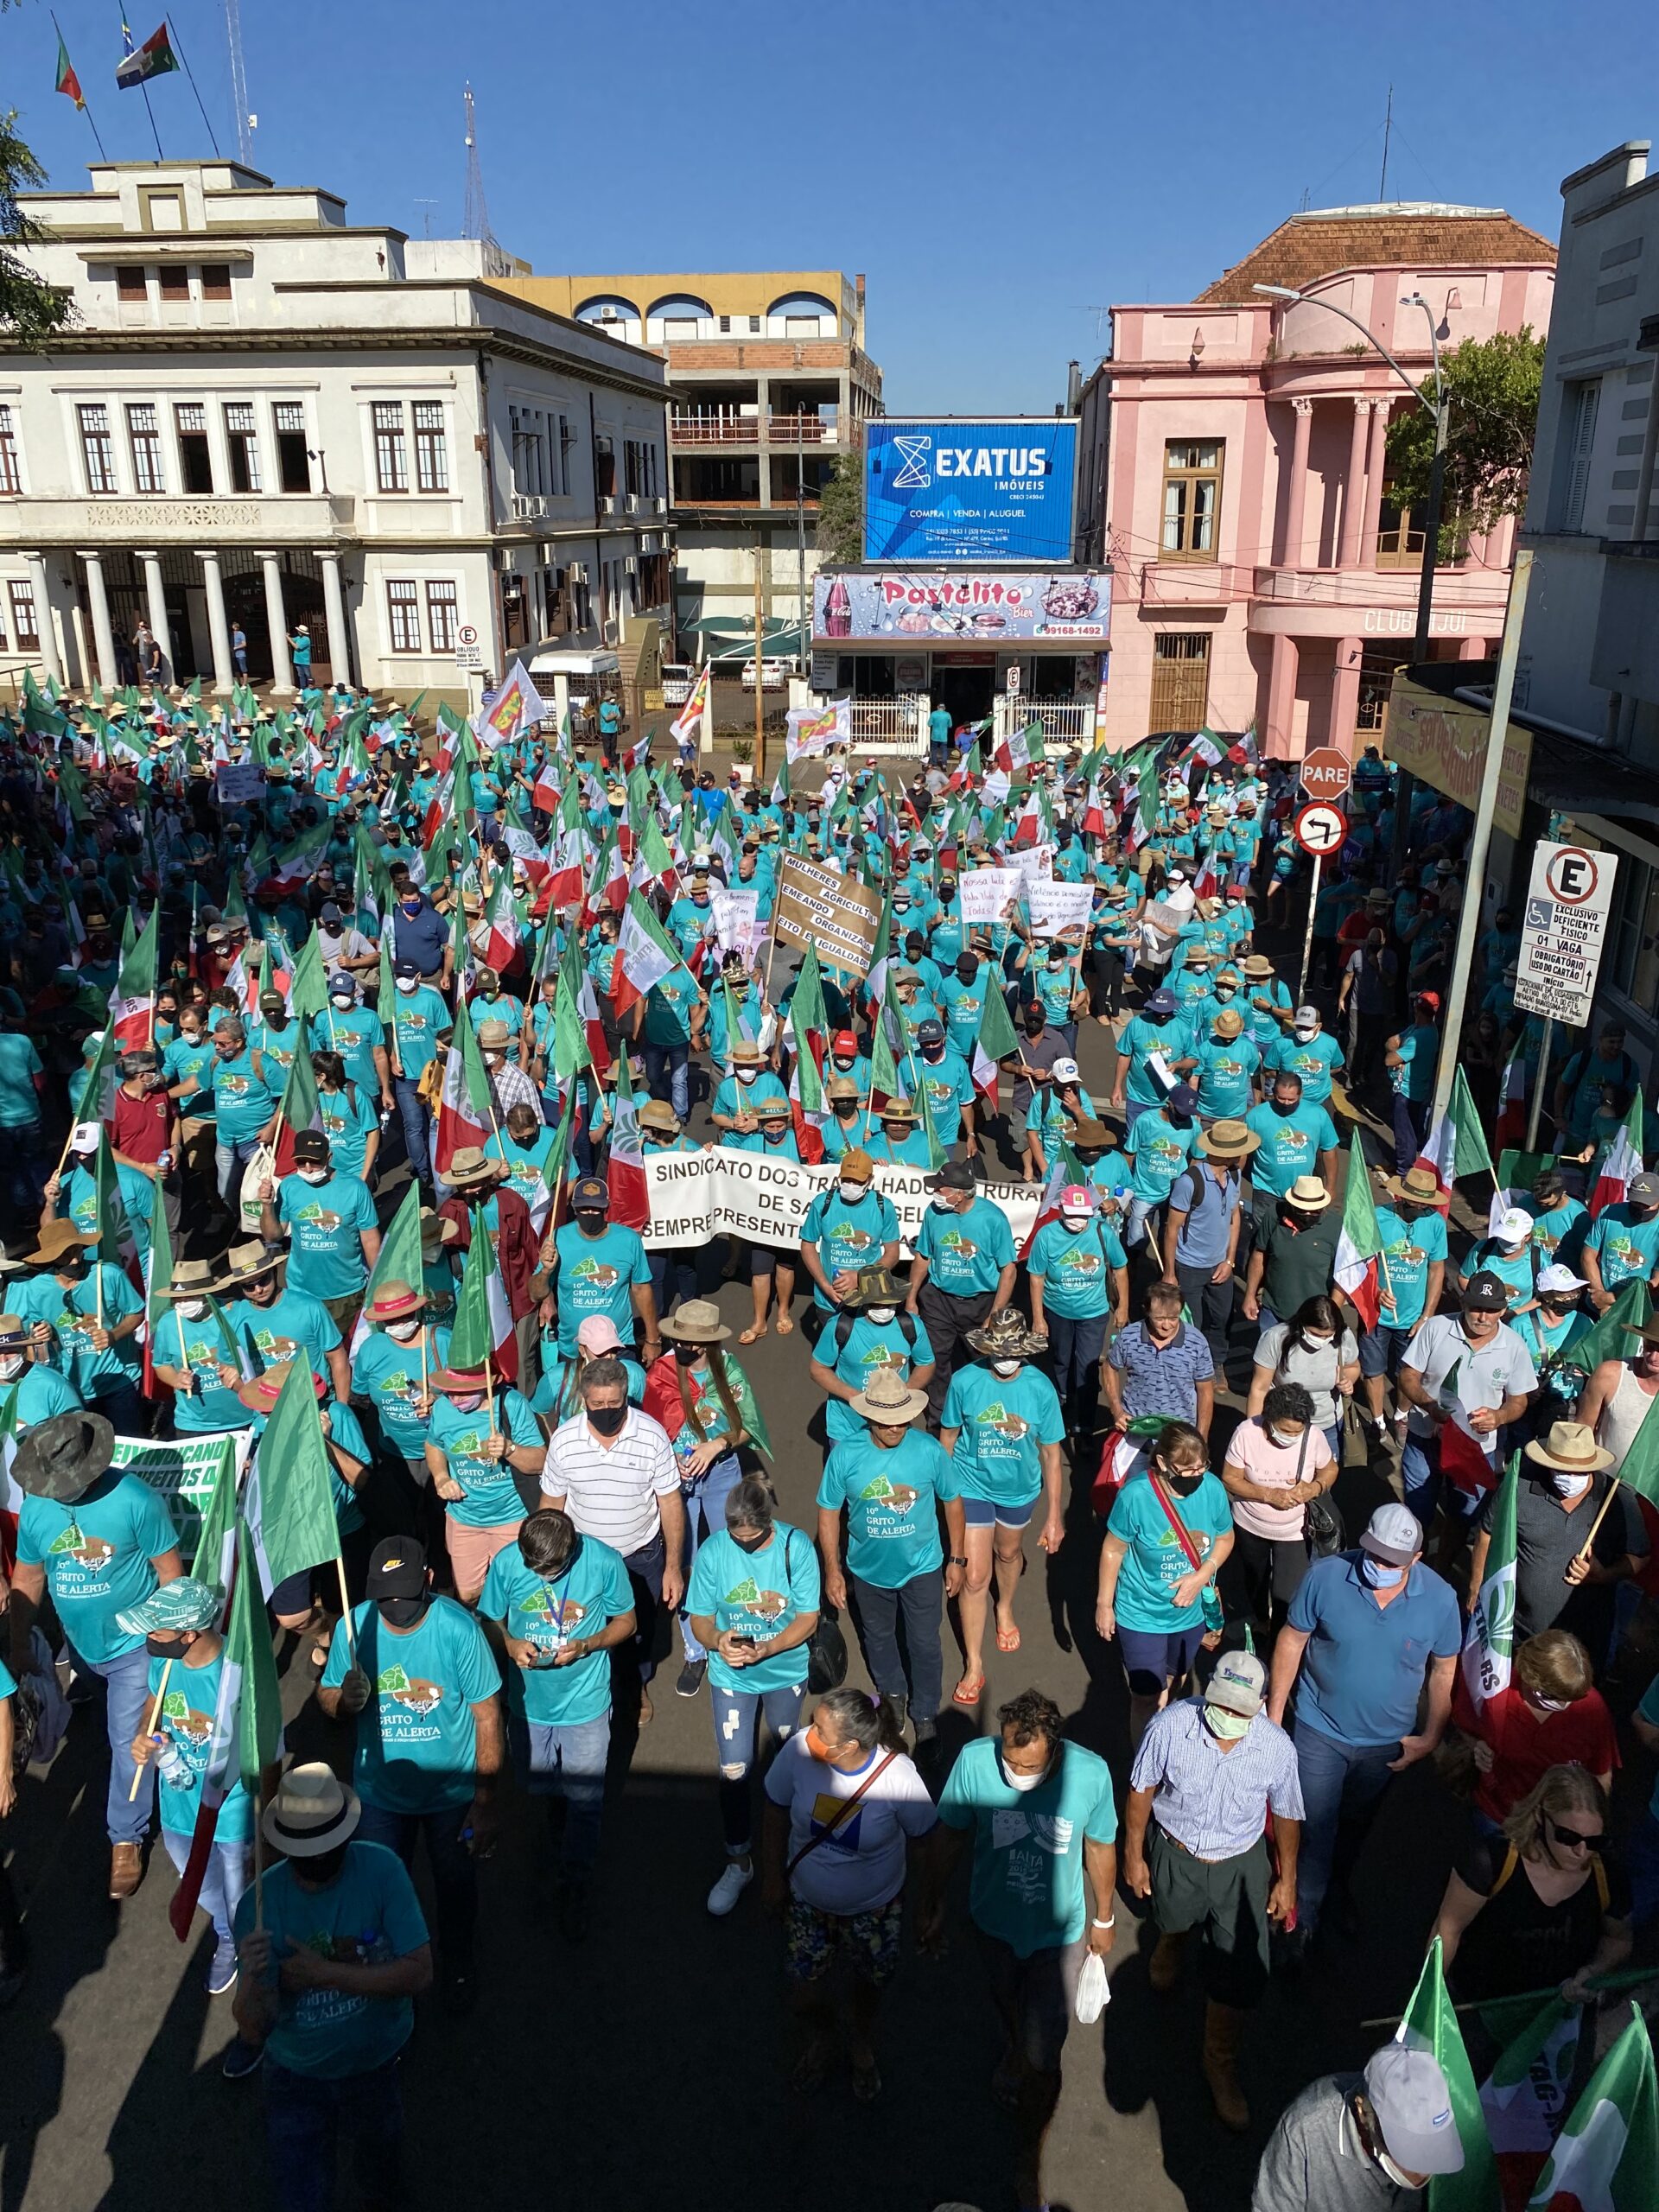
x=512, y=1087
x=1211, y=1801
x=610, y=1490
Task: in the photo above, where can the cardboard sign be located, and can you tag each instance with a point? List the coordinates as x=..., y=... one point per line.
x=834, y=913
x=240, y=782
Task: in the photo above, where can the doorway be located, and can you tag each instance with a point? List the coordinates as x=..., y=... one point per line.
x=964, y=693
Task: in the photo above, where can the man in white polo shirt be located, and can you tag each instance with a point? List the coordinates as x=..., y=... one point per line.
x=613, y=1470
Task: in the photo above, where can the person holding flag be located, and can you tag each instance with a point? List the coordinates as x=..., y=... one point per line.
x=480, y=1436
x=332, y=1227
x=1354, y=2142
x=193, y=1353
x=1622, y=1242
x=1411, y=1274
x=1463, y=1377
x=1578, y=1536
x=84, y=1317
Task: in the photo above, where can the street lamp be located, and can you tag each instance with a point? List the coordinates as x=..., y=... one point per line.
x=1440, y=408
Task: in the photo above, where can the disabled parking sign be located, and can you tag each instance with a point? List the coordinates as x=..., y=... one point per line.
x=1563, y=929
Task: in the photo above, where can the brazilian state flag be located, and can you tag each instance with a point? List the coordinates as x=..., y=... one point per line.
x=153, y=59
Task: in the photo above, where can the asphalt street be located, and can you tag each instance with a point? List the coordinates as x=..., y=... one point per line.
x=651, y=2064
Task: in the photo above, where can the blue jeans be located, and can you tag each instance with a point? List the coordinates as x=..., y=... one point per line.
x=673, y=1061
x=221, y=1885
x=231, y=1156
x=1341, y=1784
x=877, y=1610
x=418, y=1132
x=1074, y=1346
x=737, y=1714
x=454, y=1878
x=705, y=1516
x=26, y=1170
x=1425, y=1488
x=556, y=1760
x=126, y=1699
x=305, y=2117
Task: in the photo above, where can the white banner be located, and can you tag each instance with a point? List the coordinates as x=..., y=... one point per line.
x=735, y=923
x=988, y=894
x=183, y=1469
x=1057, y=906
x=697, y=1195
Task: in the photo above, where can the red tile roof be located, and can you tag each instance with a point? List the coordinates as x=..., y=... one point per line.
x=1308, y=247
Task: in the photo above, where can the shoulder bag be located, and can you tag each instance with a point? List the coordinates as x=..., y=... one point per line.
x=1210, y=1598
x=842, y=1814
x=1323, y=1529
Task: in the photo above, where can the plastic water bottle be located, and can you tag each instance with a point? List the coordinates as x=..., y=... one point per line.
x=171, y=1763
x=367, y=1943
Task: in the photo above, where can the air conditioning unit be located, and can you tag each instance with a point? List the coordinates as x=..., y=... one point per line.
x=576, y=573
x=606, y=503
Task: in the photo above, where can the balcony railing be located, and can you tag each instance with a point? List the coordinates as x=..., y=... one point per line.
x=890, y=725
x=715, y=430
x=1064, y=721
x=801, y=430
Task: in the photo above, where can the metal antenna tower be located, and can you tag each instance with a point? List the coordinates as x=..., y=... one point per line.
x=476, y=222
x=239, y=84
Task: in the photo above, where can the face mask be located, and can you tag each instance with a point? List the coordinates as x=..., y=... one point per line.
x=1547, y=1704
x=1226, y=991
x=1004, y=1367
x=313, y=1175
x=343, y=999
x=469, y=1404
x=1035, y=1028
x=1283, y=1107
x=774, y=1133
x=1569, y=1485
x=1183, y=1481
x=1397, y=2175
x=756, y=1543
x=411, y=906
x=1305, y=1036
x=401, y=1612
x=1074, y=1222
x=404, y=1333
x=11, y=1364
x=1023, y=1782
x=1226, y=1727
x=1380, y=1574
x=1285, y=1437
x=406, y=985
x=163, y=1647
x=881, y=1315
x=747, y=1075
x=816, y=1747
x=850, y=1194
x=191, y=1308
x=942, y=1206
x=606, y=1420
x=965, y=974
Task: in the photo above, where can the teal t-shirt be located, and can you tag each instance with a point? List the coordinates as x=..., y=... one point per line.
x=242, y=1104
x=668, y=1008
x=417, y=1739
x=1417, y=1052
x=187, y=1717
x=348, y=1122
x=418, y=1017
x=965, y=1252
x=1002, y=1420
x=1140, y=1040
x=353, y=1033
x=758, y=1595
x=203, y=1346
x=1312, y=1060
x=71, y=1313
x=597, y=1275
x=1409, y=1250
x=20, y=1104
x=870, y=1345
x=1155, y=1561
x=388, y=1375
x=39, y=1392
x=1159, y=1149
x=1075, y=1267
x=893, y=1528
x=369, y=1914
x=97, y=1555
x=948, y=1086
x=848, y=1238
x=1225, y=1067
x=1623, y=1245
x=292, y=1323
x=1027, y=1889
x=326, y=1222
x=1290, y=1145
x=184, y=1062
x=550, y=1611
x=492, y=1496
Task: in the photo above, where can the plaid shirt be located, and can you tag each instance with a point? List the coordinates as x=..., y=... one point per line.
x=1211, y=1801
x=512, y=1087
x=1161, y=1378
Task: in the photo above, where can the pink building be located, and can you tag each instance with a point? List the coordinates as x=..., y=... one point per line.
x=1235, y=476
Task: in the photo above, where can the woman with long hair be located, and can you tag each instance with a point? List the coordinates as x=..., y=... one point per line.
x=1316, y=1348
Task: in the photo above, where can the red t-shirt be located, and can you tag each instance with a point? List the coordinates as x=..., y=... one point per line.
x=1525, y=1746
x=138, y=1126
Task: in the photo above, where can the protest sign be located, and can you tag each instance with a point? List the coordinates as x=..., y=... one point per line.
x=988, y=894
x=1057, y=906
x=1033, y=864
x=736, y=924
x=236, y=782
x=183, y=1470
x=833, y=912
x=695, y=1196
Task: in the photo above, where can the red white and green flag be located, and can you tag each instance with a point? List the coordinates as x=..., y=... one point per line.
x=995, y=1039
x=1525, y=2097
x=1359, y=1243
x=568, y=852
x=644, y=955
x=1624, y=1162
x=132, y=1003
x=482, y=1334
x=466, y=1103
x=67, y=82
x=1489, y=1641
x=298, y=1109
x=1431, y=2025
x=1606, y=2157
x=1455, y=1144
x=153, y=59
x=625, y=1166
x=499, y=929
x=688, y=721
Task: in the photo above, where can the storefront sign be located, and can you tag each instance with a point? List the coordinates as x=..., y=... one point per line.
x=1443, y=742
x=697, y=1195
x=894, y=607
x=834, y=913
x=1562, y=931
x=944, y=491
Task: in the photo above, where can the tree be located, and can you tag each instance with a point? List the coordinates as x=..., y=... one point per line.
x=840, y=511
x=30, y=309
x=1494, y=384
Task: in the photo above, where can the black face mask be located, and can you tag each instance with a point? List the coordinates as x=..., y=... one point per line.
x=591, y=1224
x=1283, y=1107
x=606, y=1420
x=750, y=1543
x=965, y=974
x=1183, y=1485
x=401, y=1612
x=163, y=1648
x=317, y=1874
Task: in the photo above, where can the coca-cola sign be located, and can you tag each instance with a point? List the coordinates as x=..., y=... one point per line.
x=916, y=606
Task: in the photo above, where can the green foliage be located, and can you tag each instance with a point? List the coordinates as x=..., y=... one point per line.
x=29, y=309
x=1494, y=384
x=840, y=511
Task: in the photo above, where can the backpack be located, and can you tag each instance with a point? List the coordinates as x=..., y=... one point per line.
x=844, y=1329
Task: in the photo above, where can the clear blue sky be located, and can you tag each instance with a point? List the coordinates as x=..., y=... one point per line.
x=999, y=172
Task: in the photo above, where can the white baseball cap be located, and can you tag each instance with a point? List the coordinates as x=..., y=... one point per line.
x=1559, y=1278
x=1065, y=1071
x=1515, y=1225
x=1412, y=2105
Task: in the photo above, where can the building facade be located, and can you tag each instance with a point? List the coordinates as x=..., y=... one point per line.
x=262, y=416
x=771, y=385
x=1238, y=480
x=1587, y=684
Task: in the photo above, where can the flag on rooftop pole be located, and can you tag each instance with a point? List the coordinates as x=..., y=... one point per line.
x=1431, y=2025
x=67, y=82
x=153, y=59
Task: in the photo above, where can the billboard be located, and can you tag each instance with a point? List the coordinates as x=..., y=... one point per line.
x=1443, y=742
x=981, y=491
x=894, y=607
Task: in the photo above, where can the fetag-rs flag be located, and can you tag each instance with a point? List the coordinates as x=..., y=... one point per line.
x=517, y=707
x=815, y=730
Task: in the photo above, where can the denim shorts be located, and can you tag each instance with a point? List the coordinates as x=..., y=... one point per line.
x=980, y=1513
x=1382, y=1349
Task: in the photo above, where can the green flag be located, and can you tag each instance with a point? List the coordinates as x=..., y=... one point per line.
x=248, y=1652
x=116, y=1241
x=1639, y=1469
x=399, y=1258
x=479, y=1304
x=1606, y=2158
x=743, y=1393
x=292, y=1495
x=216, y=1544
x=1431, y=2025
x=1489, y=1641
x=1614, y=1336
x=309, y=992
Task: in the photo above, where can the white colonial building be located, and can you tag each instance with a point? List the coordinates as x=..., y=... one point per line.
x=262, y=414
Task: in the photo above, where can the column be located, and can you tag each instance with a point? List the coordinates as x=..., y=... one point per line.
x=1374, y=469
x=219, y=628
x=1296, y=498
x=1353, y=490
x=1344, y=695
x=52, y=659
x=1282, y=696
x=282, y=674
x=103, y=635
x=333, y=608
x=156, y=600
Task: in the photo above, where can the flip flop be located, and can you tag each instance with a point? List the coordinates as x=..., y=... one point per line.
x=1007, y=1639
x=962, y=1695
x=785, y=1327
x=753, y=1336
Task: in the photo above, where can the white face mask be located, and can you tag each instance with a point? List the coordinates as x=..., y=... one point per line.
x=343, y=999
x=313, y=1175
x=406, y=985
x=1074, y=1222
x=880, y=1314
x=11, y=1365
x=404, y=1332
x=1569, y=1485
x=191, y=1308
x=1285, y=1437
x=747, y=1075
x=943, y=1205
x=1023, y=1782
x=1397, y=2175
x=850, y=1194
x=1004, y=1367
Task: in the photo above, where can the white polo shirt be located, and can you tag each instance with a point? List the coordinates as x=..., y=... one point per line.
x=611, y=1490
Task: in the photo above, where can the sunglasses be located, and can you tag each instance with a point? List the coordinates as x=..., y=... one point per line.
x=1573, y=1835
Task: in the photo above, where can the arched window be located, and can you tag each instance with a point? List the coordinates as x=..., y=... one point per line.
x=679, y=315
x=801, y=314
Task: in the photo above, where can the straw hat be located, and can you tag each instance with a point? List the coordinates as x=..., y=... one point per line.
x=1228, y=1140
x=1571, y=1447
x=57, y=1238
x=192, y=1279
x=1257, y=966
x=395, y=1301
x=1308, y=1192
x=458, y=1382
x=696, y=1322
x=312, y=1811
x=245, y=1262
x=1228, y=1024
x=259, y=1393
x=898, y=1109
x=887, y=1401
x=436, y=1230
x=1418, y=1186
x=494, y=1036
x=468, y=1167
x=657, y=1114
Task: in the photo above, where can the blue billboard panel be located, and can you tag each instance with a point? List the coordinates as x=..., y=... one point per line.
x=968, y=491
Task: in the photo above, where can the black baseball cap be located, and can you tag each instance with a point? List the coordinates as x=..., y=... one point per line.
x=1487, y=1293
x=955, y=1175
x=312, y=1145
x=589, y=1191
x=406, y=966
x=396, y=1568
x=930, y=1032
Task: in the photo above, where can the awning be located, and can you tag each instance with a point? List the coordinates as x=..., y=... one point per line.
x=1574, y=778
x=558, y=663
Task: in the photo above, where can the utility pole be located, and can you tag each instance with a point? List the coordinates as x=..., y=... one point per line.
x=801, y=631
